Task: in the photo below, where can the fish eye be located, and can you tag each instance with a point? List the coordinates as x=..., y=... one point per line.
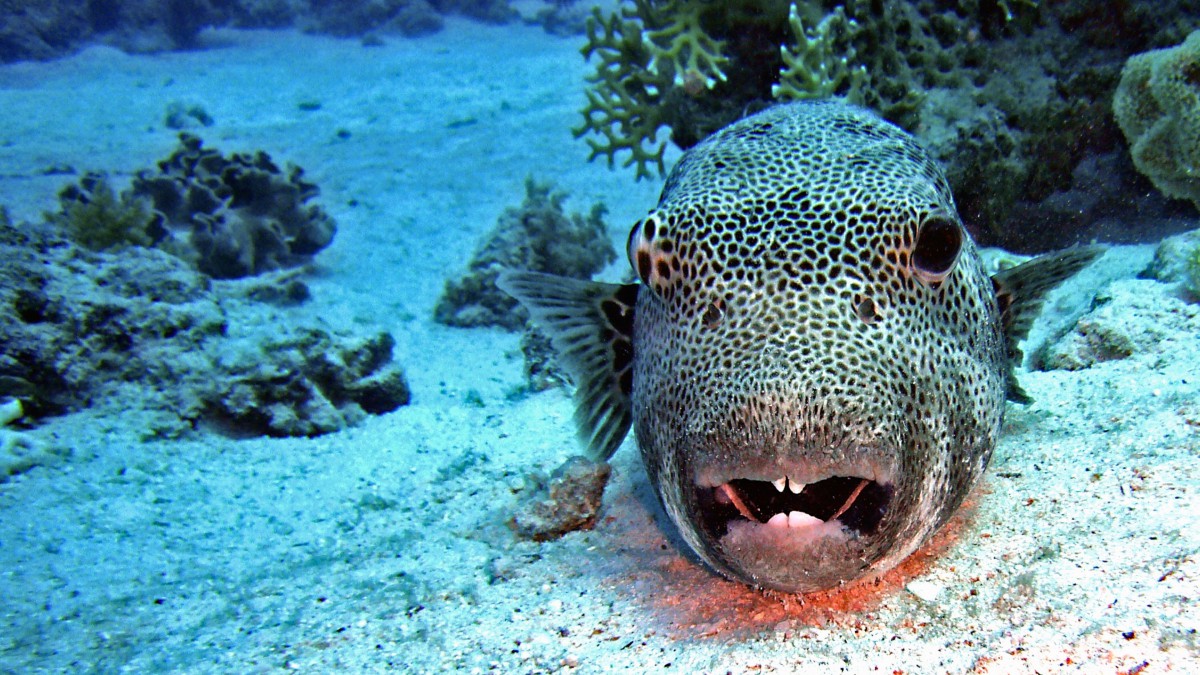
x=939, y=241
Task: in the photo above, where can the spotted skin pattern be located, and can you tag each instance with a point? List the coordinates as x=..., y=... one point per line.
x=793, y=325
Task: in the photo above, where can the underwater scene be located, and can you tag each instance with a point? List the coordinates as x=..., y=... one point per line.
x=553, y=336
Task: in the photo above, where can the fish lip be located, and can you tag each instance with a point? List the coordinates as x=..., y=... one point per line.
x=802, y=470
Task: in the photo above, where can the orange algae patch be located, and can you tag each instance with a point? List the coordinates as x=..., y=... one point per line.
x=690, y=601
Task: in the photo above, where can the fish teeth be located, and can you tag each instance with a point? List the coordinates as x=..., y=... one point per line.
x=794, y=486
x=794, y=519
x=802, y=519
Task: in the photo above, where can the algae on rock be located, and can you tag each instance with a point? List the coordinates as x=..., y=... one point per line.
x=95, y=217
x=1157, y=105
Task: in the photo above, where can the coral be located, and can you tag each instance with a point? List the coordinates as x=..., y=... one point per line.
x=94, y=217
x=1157, y=105
x=182, y=20
x=41, y=30
x=140, y=332
x=565, y=19
x=811, y=68
x=81, y=323
x=307, y=384
x=488, y=11
x=569, y=501
x=233, y=216
x=1011, y=96
x=643, y=52
x=537, y=236
x=229, y=216
x=346, y=18
x=48, y=29
x=666, y=64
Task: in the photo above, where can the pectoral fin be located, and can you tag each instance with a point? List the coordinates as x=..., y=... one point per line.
x=1021, y=291
x=590, y=325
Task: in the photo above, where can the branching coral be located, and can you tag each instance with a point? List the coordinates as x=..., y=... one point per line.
x=644, y=51
x=811, y=67
x=665, y=63
x=680, y=45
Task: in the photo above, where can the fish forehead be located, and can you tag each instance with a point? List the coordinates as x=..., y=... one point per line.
x=806, y=156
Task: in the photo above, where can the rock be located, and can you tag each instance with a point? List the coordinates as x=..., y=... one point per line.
x=569, y=501
x=138, y=329
x=1134, y=316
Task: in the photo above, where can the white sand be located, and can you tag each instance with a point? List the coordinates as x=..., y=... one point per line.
x=384, y=547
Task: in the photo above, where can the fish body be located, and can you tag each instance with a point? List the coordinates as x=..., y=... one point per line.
x=814, y=360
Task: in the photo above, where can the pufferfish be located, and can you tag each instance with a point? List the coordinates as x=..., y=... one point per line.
x=814, y=360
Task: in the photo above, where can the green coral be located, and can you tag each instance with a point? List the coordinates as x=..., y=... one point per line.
x=811, y=67
x=642, y=53
x=94, y=216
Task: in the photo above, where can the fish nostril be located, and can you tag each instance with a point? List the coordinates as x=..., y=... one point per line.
x=713, y=314
x=867, y=310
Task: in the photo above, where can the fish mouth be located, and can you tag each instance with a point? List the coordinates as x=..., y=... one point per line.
x=799, y=529
x=855, y=504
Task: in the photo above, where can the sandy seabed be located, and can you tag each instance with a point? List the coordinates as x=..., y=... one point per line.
x=385, y=547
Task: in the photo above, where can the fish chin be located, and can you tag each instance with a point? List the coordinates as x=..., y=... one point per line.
x=810, y=558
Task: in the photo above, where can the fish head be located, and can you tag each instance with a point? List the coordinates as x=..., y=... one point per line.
x=819, y=363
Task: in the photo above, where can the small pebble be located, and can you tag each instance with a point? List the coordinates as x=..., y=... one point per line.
x=924, y=590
